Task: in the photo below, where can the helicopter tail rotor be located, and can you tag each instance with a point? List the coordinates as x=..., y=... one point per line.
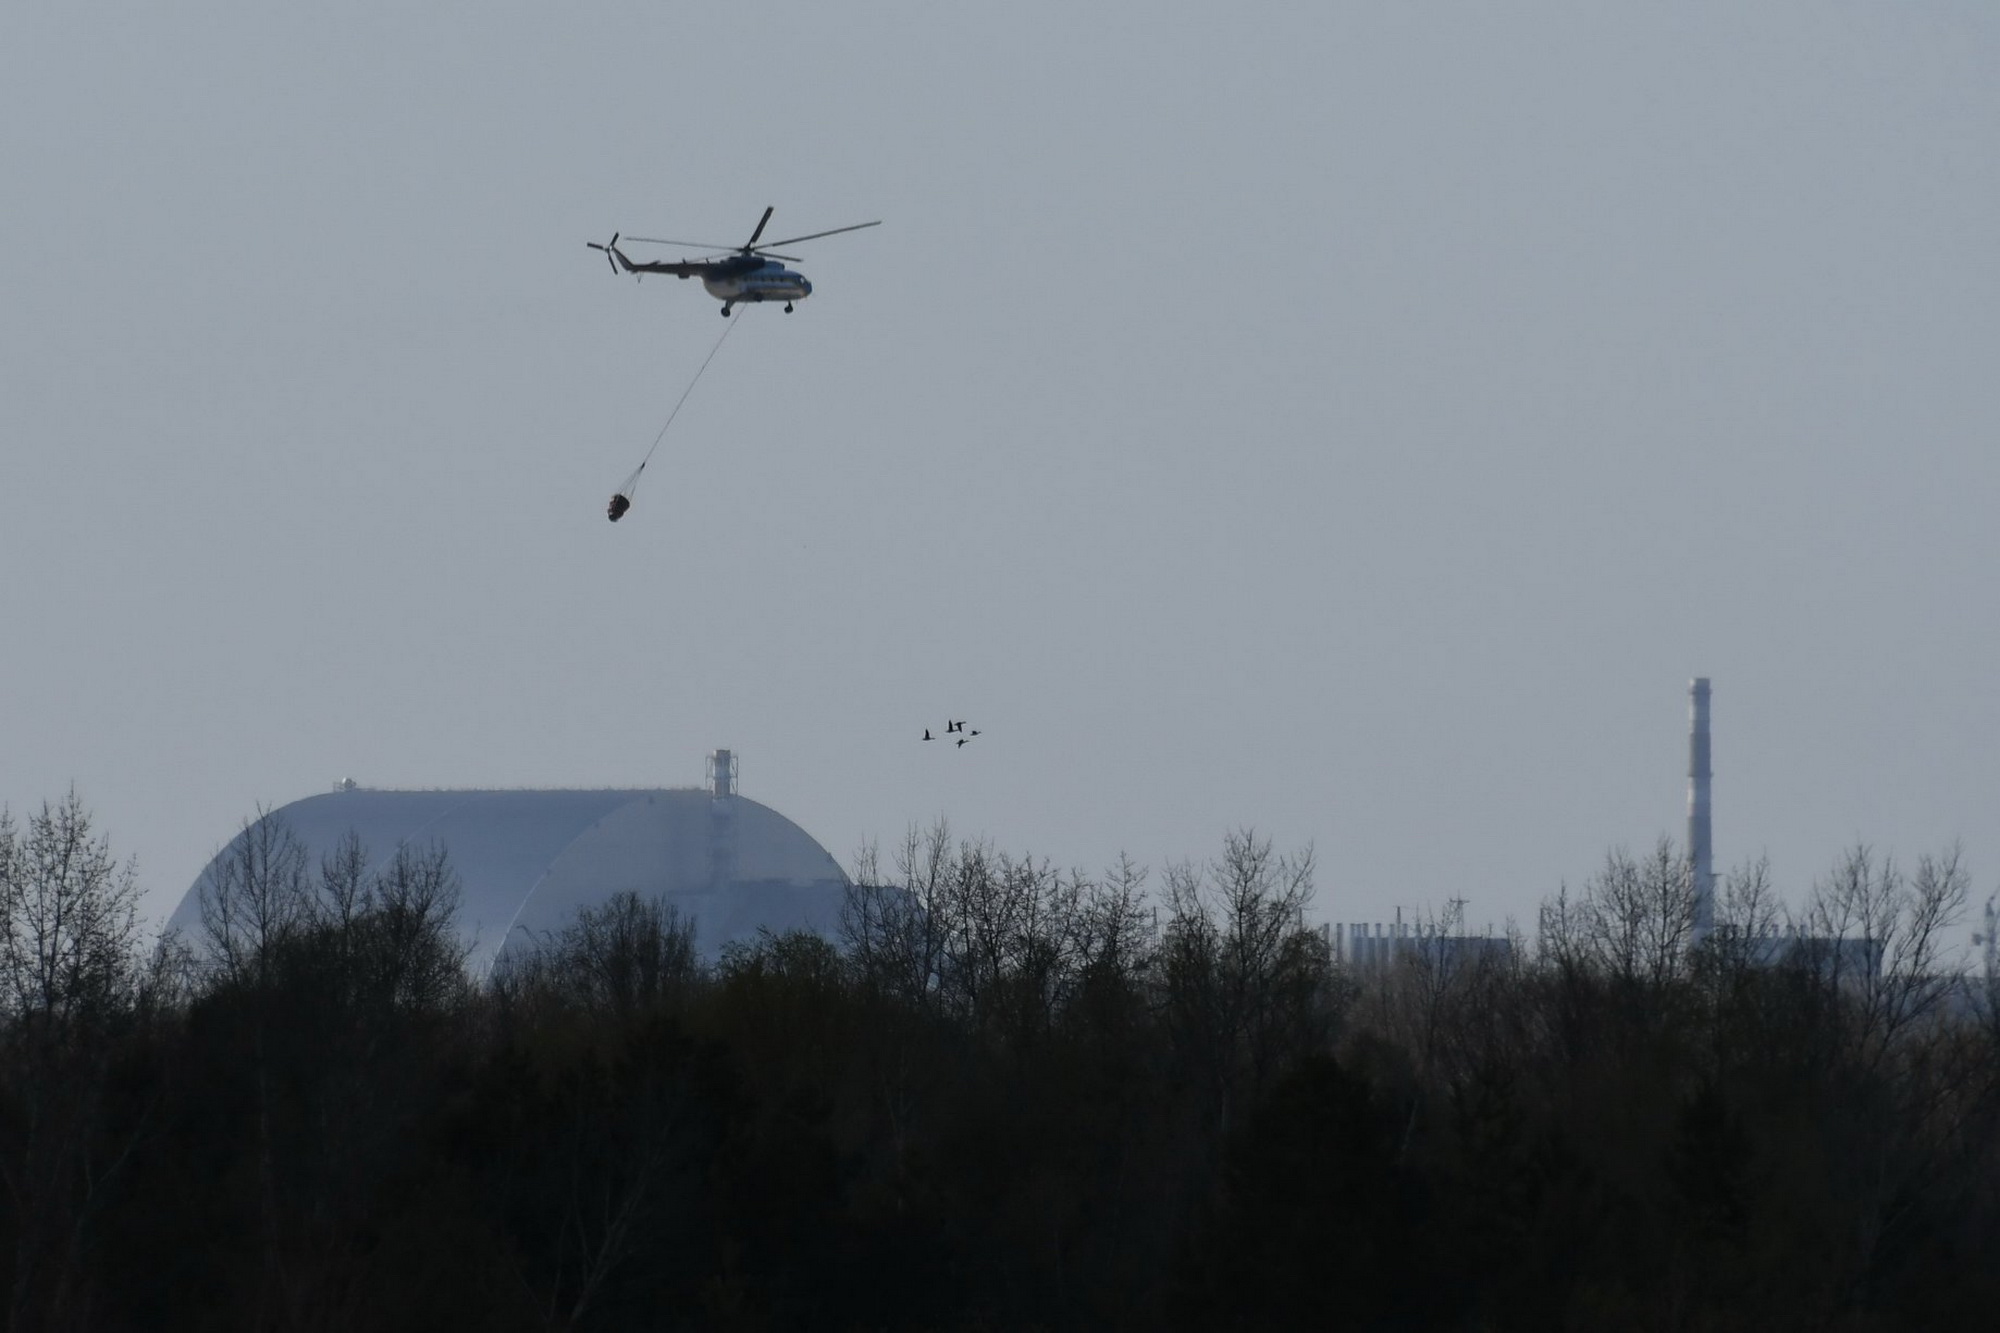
x=610, y=250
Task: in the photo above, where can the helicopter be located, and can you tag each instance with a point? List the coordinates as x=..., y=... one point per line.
x=751, y=274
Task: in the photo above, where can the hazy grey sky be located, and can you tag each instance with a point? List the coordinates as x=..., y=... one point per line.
x=1358, y=421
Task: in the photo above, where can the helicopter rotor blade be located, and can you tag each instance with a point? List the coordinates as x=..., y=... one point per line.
x=762, y=253
x=687, y=245
x=762, y=223
x=794, y=240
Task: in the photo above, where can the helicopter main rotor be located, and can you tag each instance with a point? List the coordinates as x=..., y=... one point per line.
x=750, y=247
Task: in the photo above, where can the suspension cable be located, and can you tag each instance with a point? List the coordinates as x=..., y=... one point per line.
x=632, y=482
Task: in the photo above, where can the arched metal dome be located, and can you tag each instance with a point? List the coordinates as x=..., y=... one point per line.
x=527, y=860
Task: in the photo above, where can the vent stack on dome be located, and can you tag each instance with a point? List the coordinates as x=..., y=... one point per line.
x=721, y=820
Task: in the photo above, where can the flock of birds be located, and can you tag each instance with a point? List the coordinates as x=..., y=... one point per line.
x=964, y=734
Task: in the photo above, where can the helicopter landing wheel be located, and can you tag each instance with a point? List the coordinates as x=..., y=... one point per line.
x=725, y=312
x=788, y=307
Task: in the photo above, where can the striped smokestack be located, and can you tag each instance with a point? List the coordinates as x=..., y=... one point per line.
x=1701, y=849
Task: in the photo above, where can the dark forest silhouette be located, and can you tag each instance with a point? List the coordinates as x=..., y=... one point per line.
x=1010, y=1097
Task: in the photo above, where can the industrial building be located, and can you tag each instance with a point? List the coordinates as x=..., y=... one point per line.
x=1360, y=945
x=528, y=859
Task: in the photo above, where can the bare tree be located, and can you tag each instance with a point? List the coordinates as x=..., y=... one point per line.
x=68, y=919
x=1641, y=916
x=1748, y=1012
x=895, y=931
x=1110, y=936
x=1245, y=985
x=73, y=981
x=1751, y=916
x=1119, y=933
x=419, y=962
x=254, y=896
x=1432, y=973
x=1012, y=931
x=345, y=892
x=619, y=959
x=1875, y=937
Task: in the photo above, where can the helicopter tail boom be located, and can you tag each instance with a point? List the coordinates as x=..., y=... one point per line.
x=619, y=262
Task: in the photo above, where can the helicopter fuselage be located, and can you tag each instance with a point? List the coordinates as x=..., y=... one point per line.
x=754, y=279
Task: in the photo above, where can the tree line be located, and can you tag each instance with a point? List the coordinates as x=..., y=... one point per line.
x=1008, y=1096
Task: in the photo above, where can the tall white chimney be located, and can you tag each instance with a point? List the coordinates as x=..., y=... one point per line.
x=1700, y=845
